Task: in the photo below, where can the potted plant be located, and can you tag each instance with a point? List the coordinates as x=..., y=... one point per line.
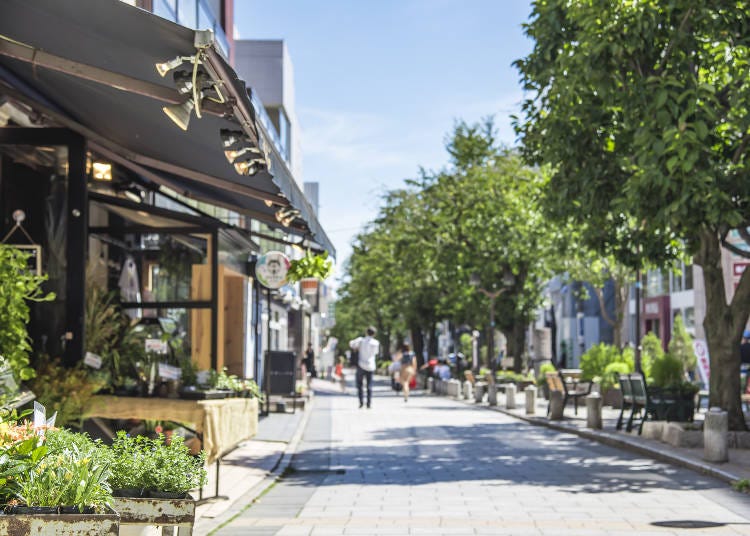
x=151, y=480
x=308, y=270
x=54, y=483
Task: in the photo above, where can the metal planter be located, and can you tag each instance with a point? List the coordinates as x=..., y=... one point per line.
x=106, y=524
x=152, y=511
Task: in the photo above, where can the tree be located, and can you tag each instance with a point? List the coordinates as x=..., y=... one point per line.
x=640, y=108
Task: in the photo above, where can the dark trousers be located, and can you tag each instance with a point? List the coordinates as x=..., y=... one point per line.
x=361, y=375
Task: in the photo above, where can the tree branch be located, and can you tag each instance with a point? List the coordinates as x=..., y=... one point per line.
x=741, y=148
x=670, y=45
x=603, y=307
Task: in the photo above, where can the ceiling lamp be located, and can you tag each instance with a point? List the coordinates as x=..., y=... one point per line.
x=234, y=155
x=180, y=113
x=101, y=171
x=164, y=67
x=248, y=166
x=285, y=216
x=229, y=138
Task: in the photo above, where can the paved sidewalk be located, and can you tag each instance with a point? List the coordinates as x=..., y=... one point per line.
x=245, y=470
x=437, y=466
x=737, y=468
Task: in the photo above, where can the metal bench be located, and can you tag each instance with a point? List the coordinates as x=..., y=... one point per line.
x=568, y=382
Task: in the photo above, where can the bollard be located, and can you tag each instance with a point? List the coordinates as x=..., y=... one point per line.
x=594, y=411
x=453, y=388
x=430, y=385
x=555, y=405
x=479, y=389
x=530, y=400
x=492, y=394
x=459, y=390
x=510, y=396
x=715, y=428
x=467, y=390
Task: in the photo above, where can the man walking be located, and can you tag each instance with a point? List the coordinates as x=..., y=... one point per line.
x=368, y=348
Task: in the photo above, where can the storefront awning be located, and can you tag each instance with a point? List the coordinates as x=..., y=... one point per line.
x=89, y=65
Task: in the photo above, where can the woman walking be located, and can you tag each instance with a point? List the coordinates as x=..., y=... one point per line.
x=408, y=369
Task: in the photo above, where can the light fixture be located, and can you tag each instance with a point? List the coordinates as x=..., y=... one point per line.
x=180, y=113
x=234, y=155
x=268, y=203
x=101, y=171
x=183, y=81
x=230, y=138
x=285, y=216
x=133, y=196
x=164, y=67
x=248, y=166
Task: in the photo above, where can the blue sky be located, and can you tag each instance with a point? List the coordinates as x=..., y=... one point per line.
x=379, y=85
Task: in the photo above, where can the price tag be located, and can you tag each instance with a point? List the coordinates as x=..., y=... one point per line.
x=92, y=360
x=40, y=415
x=169, y=372
x=156, y=346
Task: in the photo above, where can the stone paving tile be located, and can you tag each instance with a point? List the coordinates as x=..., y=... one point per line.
x=439, y=467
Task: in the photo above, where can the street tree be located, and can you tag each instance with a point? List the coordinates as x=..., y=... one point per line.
x=640, y=109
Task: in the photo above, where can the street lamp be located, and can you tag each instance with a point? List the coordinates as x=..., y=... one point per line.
x=508, y=281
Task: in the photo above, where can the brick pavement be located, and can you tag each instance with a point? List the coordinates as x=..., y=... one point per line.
x=436, y=466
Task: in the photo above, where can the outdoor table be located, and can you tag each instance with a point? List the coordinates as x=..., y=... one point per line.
x=220, y=424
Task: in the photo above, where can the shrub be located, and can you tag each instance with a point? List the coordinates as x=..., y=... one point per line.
x=609, y=377
x=596, y=359
x=667, y=371
x=681, y=345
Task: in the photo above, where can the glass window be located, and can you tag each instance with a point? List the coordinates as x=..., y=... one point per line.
x=187, y=13
x=676, y=282
x=689, y=318
x=688, y=274
x=166, y=9
x=206, y=19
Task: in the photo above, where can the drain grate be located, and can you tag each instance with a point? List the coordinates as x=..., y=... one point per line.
x=688, y=524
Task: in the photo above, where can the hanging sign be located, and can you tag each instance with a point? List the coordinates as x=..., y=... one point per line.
x=271, y=269
x=700, y=348
x=157, y=346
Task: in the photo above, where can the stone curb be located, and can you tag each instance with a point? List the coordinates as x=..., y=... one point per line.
x=612, y=440
x=252, y=495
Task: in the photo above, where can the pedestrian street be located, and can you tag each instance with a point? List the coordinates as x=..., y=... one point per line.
x=437, y=466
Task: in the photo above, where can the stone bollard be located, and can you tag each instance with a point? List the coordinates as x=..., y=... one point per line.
x=715, y=431
x=556, y=405
x=479, y=389
x=459, y=390
x=453, y=388
x=594, y=411
x=492, y=394
x=530, y=400
x=510, y=396
x=467, y=390
x=430, y=385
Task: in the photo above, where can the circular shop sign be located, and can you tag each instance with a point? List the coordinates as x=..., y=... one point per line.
x=271, y=269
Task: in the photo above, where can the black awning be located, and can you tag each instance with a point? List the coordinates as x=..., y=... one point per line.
x=110, y=91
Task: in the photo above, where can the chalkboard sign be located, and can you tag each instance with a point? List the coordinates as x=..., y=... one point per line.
x=281, y=372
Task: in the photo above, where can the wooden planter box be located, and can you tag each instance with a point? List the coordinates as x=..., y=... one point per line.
x=158, y=512
x=106, y=524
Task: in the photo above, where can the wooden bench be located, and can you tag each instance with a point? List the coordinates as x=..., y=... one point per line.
x=567, y=381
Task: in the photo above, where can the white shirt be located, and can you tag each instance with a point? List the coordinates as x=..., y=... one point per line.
x=369, y=348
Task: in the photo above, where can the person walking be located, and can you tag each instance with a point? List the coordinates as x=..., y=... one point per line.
x=309, y=362
x=368, y=349
x=408, y=369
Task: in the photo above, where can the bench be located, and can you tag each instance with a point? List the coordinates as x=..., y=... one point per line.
x=567, y=381
x=635, y=397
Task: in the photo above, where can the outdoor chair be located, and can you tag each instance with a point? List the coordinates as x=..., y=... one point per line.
x=643, y=404
x=627, y=399
x=567, y=381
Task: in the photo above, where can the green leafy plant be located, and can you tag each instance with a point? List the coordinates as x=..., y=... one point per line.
x=152, y=464
x=317, y=266
x=594, y=362
x=608, y=379
x=681, y=345
x=742, y=485
x=66, y=391
x=667, y=371
x=20, y=450
x=18, y=286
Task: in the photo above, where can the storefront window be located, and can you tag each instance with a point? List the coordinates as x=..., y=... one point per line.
x=688, y=275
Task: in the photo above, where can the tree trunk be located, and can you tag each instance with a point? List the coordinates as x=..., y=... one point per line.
x=418, y=342
x=723, y=325
x=517, y=345
x=432, y=347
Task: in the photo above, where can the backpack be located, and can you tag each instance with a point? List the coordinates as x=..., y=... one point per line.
x=406, y=359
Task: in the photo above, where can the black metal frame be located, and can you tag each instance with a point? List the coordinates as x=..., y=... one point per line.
x=77, y=222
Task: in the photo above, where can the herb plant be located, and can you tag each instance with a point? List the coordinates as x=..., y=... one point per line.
x=317, y=266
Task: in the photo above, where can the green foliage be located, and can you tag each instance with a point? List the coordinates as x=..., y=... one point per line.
x=742, y=485
x=611, y=372
x=594, y=362
x=651, y=350
x=152, y=464
x=667, y=371
x=66, y=391
x=317, y=266
x=681, y=345
x=544, y=368
x=508, y=376
x=20, y=450
x=17, y=287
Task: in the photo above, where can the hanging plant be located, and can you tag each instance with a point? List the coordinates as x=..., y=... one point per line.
x=310, y=266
